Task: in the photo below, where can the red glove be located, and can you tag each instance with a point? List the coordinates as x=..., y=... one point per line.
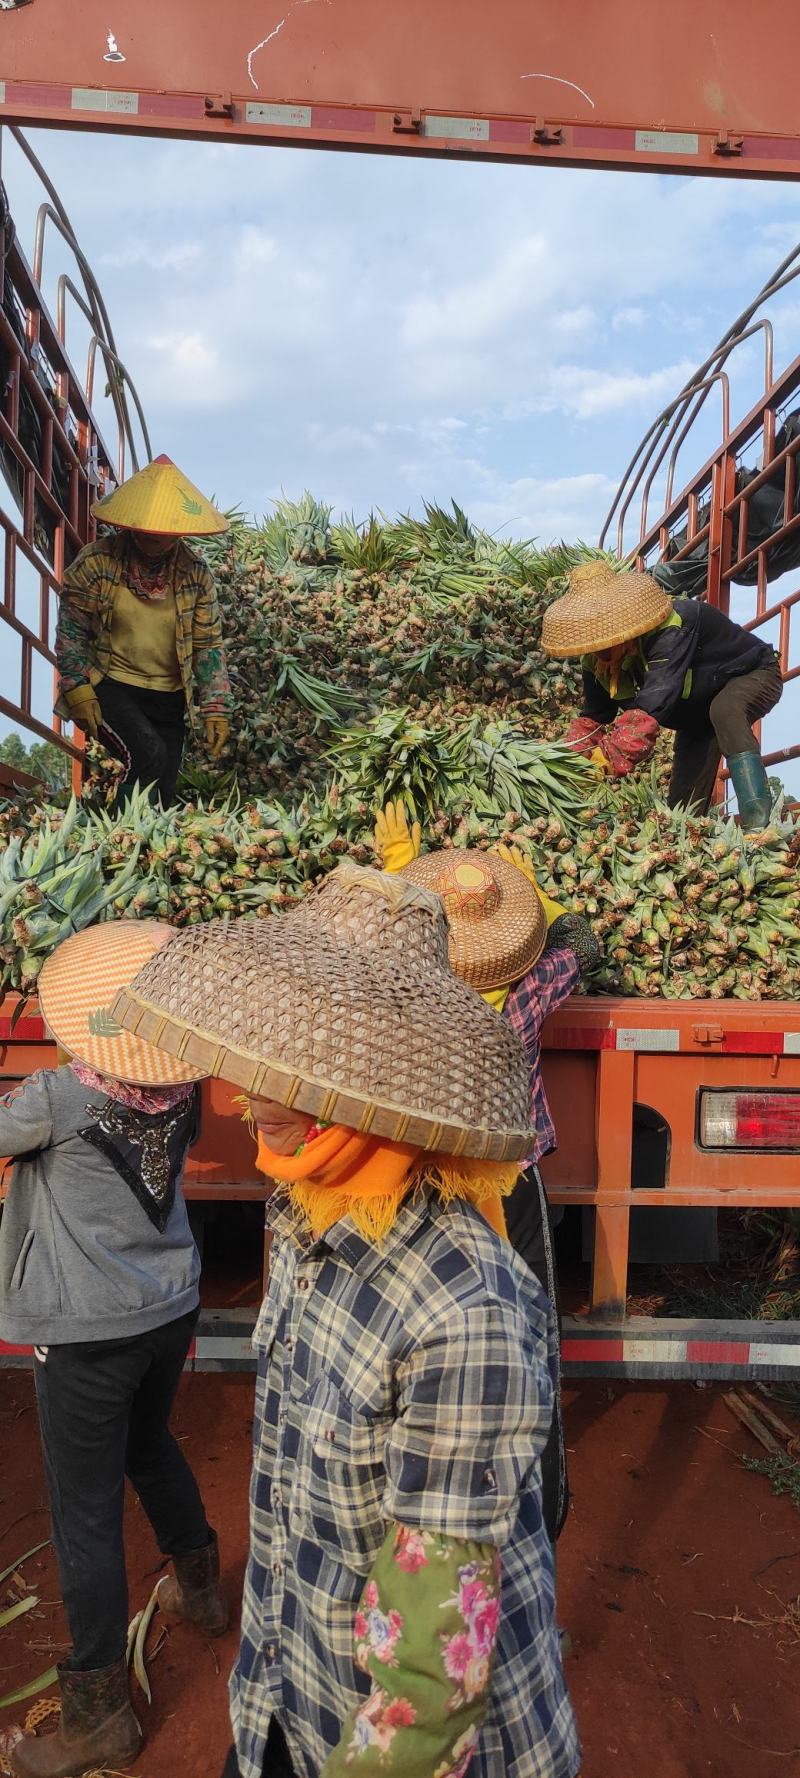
x=629, y=741
x=583, y=734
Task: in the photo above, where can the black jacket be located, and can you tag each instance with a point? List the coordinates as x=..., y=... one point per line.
x=674, y=672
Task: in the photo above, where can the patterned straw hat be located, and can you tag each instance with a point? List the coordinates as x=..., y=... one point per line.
x=497, y=924
x=346, y=1008
x=602, y=608
x=162, y=501
x=76, y=987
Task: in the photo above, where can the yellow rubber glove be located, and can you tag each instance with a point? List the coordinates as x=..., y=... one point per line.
x=84, y=709
x=598, y=759
x=218, y=729
x=496, y=997
x=396, y=843
x=513, y=855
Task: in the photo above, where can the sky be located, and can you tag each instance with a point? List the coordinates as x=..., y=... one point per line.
x=384, y=331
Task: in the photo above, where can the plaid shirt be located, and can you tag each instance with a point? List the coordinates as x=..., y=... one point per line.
x=539, y=993
x=83, y=637
x=410, y=1383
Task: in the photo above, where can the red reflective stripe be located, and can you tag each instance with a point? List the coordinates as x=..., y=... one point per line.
x=324, y=117
x=26, y=1351
x=171, y=105
x=593, y=1351
x=753, y=1043
x=718, y=1352
x=584, y=136
x=28, y=92
x=772, y=148
x=576, y=1037
x=25, y=1029
x=509, y=129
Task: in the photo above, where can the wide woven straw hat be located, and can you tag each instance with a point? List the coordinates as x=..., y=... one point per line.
x=601, y=609
x=162, y=501
x=345, y=1007
x=79, y=982
x=497, y=925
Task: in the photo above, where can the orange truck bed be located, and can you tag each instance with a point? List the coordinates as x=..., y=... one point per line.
x=607, y=1062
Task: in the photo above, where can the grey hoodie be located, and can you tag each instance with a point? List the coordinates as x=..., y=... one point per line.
x=81, y=1254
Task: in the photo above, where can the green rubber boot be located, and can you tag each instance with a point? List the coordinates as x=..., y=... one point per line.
x=749, y=781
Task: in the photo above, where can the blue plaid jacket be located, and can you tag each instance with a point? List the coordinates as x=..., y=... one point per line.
x=412, y=1383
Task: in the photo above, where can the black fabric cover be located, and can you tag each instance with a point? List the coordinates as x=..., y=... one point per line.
x=687, y=578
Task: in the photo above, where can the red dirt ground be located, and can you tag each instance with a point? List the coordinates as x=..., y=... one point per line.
x=672, y=1562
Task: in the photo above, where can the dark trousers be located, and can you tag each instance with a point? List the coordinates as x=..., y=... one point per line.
x=727, y=732
x=146, y=730
x=104, y=1410
x=277, y=1763
x=529, y=1222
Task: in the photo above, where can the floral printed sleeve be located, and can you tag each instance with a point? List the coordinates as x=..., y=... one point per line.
x=210, y=671
x=78, y=619
x=425, y=1633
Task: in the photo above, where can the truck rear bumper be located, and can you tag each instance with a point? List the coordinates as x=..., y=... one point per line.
x=643, y=1348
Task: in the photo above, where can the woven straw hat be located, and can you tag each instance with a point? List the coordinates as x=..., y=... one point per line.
x=497, y=925
x=162, y=501
x=601, y=609
x=79, y=982
x=346, y=1008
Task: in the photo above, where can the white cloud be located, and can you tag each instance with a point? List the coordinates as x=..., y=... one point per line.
x=188, y=369
x=547, y=508
x=575, y=323
x=333, y=441
x=588, y=393
x=173, y=257
x=629, y=319
x=255, y=247
x=475, y=309
x=389, y=328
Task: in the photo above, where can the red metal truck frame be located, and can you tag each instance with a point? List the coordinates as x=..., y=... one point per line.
x=686, y=87
x=614, y=1054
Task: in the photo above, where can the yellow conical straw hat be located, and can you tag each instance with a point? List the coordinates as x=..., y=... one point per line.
x=602, y=608
x=162, y=501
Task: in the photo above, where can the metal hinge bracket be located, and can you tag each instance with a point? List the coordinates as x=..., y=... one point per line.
x=547, y=135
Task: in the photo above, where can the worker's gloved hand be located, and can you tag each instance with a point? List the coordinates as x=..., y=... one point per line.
x=396, y=843
x=582, y=734
x=84, y=709
x=598, y=759
x=218, y=729
x=572, y=932
x=629, y=741
x=514, y=855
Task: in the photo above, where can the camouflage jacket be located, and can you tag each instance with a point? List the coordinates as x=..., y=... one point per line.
x=83, y=636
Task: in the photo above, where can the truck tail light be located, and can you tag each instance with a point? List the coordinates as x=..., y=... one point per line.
x=750, y=1120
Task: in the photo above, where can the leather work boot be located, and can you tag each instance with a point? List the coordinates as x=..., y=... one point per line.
x=97, y=1728
x=194, y=1592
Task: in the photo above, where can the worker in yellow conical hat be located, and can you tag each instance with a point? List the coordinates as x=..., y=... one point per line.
x=139, y=638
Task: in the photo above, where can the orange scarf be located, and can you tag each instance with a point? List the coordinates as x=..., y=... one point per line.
x=343, y=1174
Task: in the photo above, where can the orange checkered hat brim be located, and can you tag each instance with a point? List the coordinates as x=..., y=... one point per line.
x=77, y=988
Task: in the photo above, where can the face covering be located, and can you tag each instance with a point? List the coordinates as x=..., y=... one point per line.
x=341, y=1173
